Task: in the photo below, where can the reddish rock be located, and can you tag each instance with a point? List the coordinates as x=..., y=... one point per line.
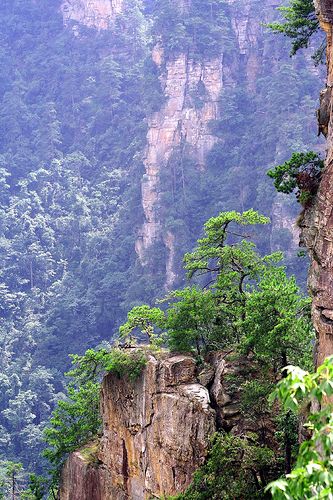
x=155, y=435
x=317, y=221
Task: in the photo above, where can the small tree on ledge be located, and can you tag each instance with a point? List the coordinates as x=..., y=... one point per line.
x=301, y=174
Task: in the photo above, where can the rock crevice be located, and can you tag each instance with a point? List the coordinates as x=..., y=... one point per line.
x=156, y=431
x=317, y=222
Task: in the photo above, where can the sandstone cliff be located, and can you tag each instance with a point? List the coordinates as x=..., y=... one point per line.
x=155, y=431
x=183, y=128
x=178, y=125
x=317, y=224
x=180, y=130
x=93, y=13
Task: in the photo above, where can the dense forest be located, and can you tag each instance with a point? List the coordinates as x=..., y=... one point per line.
x=75, y=103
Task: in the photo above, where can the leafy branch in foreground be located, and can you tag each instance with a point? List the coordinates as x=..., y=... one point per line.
x=301, y=174
x=300, y=23
x=312, y=477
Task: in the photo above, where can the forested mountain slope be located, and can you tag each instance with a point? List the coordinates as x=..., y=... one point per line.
x=124, y=126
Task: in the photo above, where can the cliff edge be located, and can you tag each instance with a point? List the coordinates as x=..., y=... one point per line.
x=317, y=224
x=156, y=431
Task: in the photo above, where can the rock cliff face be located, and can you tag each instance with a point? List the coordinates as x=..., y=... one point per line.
x=181, y=126
x=317, y=224
x=178, y=125
x=93, y=13
x=155, y=431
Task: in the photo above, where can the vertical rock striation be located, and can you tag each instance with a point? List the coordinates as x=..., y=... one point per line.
x=155, y=434
x=179, y=124
x=183, y=125
x=317, y=223
x=92, y=13
x=156, y=431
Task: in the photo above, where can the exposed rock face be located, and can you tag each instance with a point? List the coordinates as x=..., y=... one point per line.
x=81, y=479
x=155, y=434
x=92, y=13
x=156, y=431
x=317, y=224
x=182, y=126
x=180, y=123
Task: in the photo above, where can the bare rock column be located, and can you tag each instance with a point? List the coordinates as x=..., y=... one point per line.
x=317, y=224
x=155, y=435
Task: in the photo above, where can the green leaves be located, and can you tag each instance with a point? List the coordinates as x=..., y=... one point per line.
x=191, y=320
x=302, y=174
x=76, y=419
x=277, y=320
x=199, y=28
x=74, y=422
x=312, y=476
x=212, y=252
x=235, y=468
x=144, y=319
x=300, y=24
x=124, y=364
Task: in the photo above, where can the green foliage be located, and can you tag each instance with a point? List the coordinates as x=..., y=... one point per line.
x=129, y=365
x=278, y=321
x=37, y=488
x=92, y=366
x=300, y=23
x=76, y=419
x=245, y=301
x=209, y=319
x=201, y=28
x=16, y=483
x=74, y=422
x=212, y=255
x=191, y=320
x=73, y=104
x=312, y=475
x=11, y=479
x=144, y=319
x=301, y=174
x=235, y=466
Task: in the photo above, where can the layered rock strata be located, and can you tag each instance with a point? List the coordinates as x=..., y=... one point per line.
x=92, y=13
x=181, y=123
x=317, y=222
x=156, y=431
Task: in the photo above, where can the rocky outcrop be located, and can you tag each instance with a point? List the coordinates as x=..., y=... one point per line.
x=317, y=221
x=156, y=430
x=155, y=434
x=92, y=13
x=181, y=123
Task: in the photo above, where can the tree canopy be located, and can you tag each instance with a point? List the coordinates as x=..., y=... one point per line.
x=300, y=23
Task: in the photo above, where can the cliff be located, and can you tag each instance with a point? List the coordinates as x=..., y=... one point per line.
x=182, y=127
x=184, y=132
x=155, y=431
x=317, y=223
x=93, y=13
x=179, y=125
